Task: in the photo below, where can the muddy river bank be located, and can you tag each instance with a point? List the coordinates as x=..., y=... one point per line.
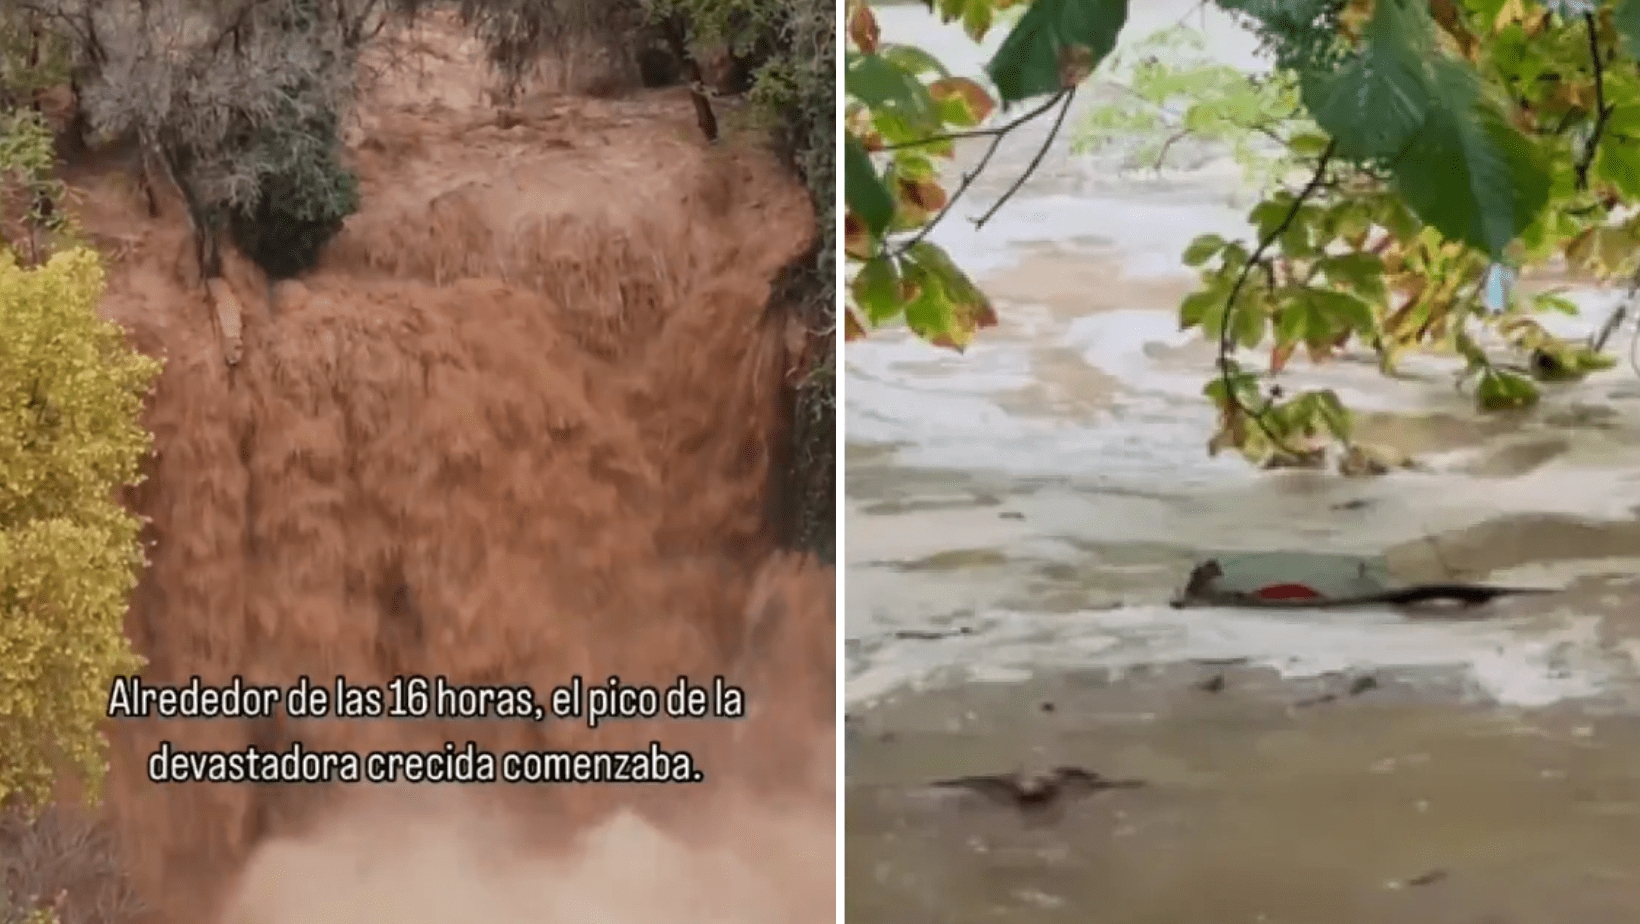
x=1018, y=516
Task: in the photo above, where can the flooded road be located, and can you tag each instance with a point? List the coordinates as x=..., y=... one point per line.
x=1018, y=517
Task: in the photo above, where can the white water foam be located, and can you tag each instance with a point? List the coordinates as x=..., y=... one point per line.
x=1522, y=664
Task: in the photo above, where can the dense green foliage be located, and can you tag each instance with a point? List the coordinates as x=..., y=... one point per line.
x=32, y=58
x=789, y=47
x=1411, y=152
x=71, y=390
x=301, y=203
x=797, y=85
x=305, y=190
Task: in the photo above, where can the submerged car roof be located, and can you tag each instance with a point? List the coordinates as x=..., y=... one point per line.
x=1334, y=575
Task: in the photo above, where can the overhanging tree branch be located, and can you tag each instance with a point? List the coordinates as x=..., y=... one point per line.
x=1066, y=97
x=995, y=131
x=996, y=134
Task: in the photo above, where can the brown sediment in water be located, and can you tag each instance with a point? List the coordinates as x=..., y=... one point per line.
x=519, y=426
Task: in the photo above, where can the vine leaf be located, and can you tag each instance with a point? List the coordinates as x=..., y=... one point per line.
x=976, y=15
x=1203, y=248
x=1619, y=165
x=1499, y=390
x=862, y=28
x=886, y=85
x=1054, y=46
x=919, y=201
x=852, y=328
x=876, y=289
x=914, y=60
x=1457, y=161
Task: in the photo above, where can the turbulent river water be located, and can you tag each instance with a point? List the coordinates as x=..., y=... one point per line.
x=1018, y=516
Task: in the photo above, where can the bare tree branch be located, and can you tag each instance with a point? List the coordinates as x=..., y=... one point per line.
x=1602, y=111
x=996, y=134
x=1066, y=97
x=995, y=131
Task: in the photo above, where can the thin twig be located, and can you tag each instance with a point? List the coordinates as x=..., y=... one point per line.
x=1161, y=155
x=1232, y=402
x=1602, y=111
x=1059, y=120
x=1598, y=341
x=995, y=131
x=968, y=179
x=1199, y=7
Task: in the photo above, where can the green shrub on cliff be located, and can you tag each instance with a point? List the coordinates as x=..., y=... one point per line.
x=71, y=390
x=299, y=205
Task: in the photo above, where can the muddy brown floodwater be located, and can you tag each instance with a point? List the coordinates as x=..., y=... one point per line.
x=1019, y=516
x=1263, y=801
x=519, y=426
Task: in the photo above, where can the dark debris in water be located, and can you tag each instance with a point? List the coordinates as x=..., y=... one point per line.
x=1428, y=878
x=931, y=635
x=1362, y=684
x=1038, y=790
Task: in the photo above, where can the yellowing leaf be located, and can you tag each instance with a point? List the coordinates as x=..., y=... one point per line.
x=852, y=329
x=919, y=200
x=970, y=100
x=862, y=28
x=950, y=309
x=1512, y=11
x=857, y=241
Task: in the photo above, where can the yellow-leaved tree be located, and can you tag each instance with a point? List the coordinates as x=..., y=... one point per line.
x=71, y=395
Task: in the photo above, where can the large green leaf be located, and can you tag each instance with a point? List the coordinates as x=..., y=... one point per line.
x=876, y=289
x=1468, y=172
x=1374, y=104
x=1619, y=165
x=1054, y=46
x=885, y=85
x=863, y=189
